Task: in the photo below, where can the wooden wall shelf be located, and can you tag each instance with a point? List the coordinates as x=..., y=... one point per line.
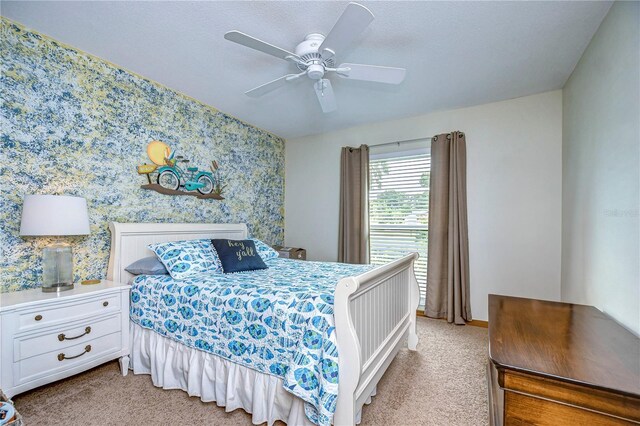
x=165, y=191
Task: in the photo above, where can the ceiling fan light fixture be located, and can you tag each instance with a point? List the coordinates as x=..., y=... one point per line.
x=315, y=71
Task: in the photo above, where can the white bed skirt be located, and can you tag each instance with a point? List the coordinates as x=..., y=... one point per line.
x=173, y=365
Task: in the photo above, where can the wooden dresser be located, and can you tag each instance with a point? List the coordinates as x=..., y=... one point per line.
x=556, y=363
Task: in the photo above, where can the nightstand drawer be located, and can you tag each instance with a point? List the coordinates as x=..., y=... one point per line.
x=68, y=311
x=65, y=336
x=70, y=357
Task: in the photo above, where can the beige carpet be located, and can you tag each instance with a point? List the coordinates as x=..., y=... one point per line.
x=443, y=383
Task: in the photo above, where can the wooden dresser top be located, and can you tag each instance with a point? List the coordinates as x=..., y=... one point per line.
x=573, y=343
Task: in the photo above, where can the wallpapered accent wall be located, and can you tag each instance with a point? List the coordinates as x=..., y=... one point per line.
x=74, y=124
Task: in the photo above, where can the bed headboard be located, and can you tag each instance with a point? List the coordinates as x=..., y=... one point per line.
x=129, y=241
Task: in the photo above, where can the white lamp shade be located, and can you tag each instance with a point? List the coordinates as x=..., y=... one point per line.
x=44, y=215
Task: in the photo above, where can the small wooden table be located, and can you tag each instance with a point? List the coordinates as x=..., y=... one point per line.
x=556, y=363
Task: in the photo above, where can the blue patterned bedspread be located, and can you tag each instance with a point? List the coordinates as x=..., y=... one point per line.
x=278, y=321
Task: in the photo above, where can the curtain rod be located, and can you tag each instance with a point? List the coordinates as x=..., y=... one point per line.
x=400, y=142
x=410, y=140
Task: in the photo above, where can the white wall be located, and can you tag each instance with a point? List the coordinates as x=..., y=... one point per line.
x=601, y=178
x=514, y=151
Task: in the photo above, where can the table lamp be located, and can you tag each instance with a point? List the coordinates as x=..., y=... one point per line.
x=55, y=215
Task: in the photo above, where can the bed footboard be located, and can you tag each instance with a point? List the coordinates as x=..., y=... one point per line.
x=374, y=312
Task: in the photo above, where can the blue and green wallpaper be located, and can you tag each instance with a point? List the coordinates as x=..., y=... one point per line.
x=74, y=124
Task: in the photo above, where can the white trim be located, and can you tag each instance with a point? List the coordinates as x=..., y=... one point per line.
x=400, y=149
x=399, y=154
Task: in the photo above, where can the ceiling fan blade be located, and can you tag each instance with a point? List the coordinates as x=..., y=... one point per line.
x=351, y=23
x=256, y=92
x=262, y=46
x=325, y=95
x=389, y=75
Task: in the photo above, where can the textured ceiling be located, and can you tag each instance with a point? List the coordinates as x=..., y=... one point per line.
x=456, y=53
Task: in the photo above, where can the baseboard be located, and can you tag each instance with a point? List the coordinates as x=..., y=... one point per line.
x=478, y=323
x=474, y=323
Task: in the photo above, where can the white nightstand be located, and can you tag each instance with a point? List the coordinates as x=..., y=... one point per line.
x=48, y=336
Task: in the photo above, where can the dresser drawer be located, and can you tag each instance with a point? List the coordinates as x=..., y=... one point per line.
x=56, y=361
x=50, y=314
x=63, y=337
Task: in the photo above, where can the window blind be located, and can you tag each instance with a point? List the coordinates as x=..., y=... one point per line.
x=399, y=210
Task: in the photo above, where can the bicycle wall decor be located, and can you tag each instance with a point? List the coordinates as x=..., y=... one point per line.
x=166, y=176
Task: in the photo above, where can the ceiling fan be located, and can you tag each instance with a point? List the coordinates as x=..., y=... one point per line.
x=315, y=57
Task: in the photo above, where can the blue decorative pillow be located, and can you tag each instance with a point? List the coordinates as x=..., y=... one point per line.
x=238, y=255
x=264, y=250
x=147, y=266
x=185, y=258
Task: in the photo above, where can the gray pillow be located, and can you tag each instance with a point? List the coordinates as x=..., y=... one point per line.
x=147, y=266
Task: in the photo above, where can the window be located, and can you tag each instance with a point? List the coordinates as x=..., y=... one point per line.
x=399, y=207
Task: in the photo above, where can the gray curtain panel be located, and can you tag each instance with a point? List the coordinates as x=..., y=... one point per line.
x=448, y=260
x=353, y=237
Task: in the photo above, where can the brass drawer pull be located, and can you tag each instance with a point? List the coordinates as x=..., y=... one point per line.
x=62, y=337
x=38, y=317
x=62, y=357
x=105, y=304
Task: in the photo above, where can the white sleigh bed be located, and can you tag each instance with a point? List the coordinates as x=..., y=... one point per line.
x=375, y=314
